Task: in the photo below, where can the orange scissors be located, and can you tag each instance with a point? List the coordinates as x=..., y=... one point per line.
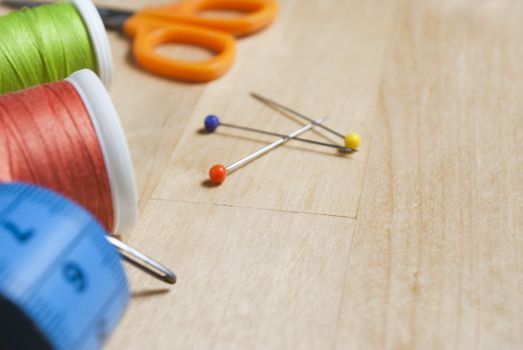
x=183, y=23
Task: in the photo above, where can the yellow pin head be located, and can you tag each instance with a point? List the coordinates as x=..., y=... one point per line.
x=352, y=140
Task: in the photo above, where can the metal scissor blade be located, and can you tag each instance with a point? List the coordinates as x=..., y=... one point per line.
x=20, y=4
x=113, y=18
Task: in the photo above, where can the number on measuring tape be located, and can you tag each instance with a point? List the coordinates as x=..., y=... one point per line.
x=59, y=272
x=19, y=234
x=74, y=274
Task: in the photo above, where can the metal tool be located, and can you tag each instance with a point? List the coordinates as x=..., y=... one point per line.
x=143, y=262
x=351, y=140
x=212, y=122
x=219, y=172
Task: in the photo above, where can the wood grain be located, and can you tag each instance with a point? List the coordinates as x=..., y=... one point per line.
x=436, y=260
x=270, y=284
x=413, y=243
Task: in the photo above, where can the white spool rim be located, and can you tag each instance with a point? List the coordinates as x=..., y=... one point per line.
x=99, y=39
x=113, y=145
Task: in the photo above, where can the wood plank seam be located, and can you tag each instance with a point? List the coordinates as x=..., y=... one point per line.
x=254, y=208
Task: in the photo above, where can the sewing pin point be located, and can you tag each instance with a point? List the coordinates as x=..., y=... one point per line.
x=218, y=173
x=212, y=122
x=351, y=140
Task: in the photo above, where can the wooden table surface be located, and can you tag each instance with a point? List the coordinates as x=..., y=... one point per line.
x=415, y=242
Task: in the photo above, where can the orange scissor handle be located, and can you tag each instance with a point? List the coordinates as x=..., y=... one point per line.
x=149, y=33
x=256, y=14
x=183, y=23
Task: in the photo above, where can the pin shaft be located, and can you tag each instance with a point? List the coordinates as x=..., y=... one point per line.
x=235, y=166
x=341, y=148
x=290, y=110
x=143, y=262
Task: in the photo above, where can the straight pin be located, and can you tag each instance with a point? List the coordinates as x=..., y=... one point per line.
x=352, y=140
x=212, y=122
x=218, y=173
x=143, y=262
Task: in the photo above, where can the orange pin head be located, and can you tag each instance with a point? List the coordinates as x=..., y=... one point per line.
x=218, y=173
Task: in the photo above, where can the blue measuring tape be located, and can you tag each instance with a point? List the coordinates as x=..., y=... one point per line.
x=62, y=285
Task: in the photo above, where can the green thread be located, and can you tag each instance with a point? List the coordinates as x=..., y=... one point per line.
x=44, y=44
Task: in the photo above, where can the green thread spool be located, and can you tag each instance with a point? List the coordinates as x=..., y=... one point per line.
x=50, y=42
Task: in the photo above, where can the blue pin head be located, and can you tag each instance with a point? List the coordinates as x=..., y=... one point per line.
x=211, y=123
